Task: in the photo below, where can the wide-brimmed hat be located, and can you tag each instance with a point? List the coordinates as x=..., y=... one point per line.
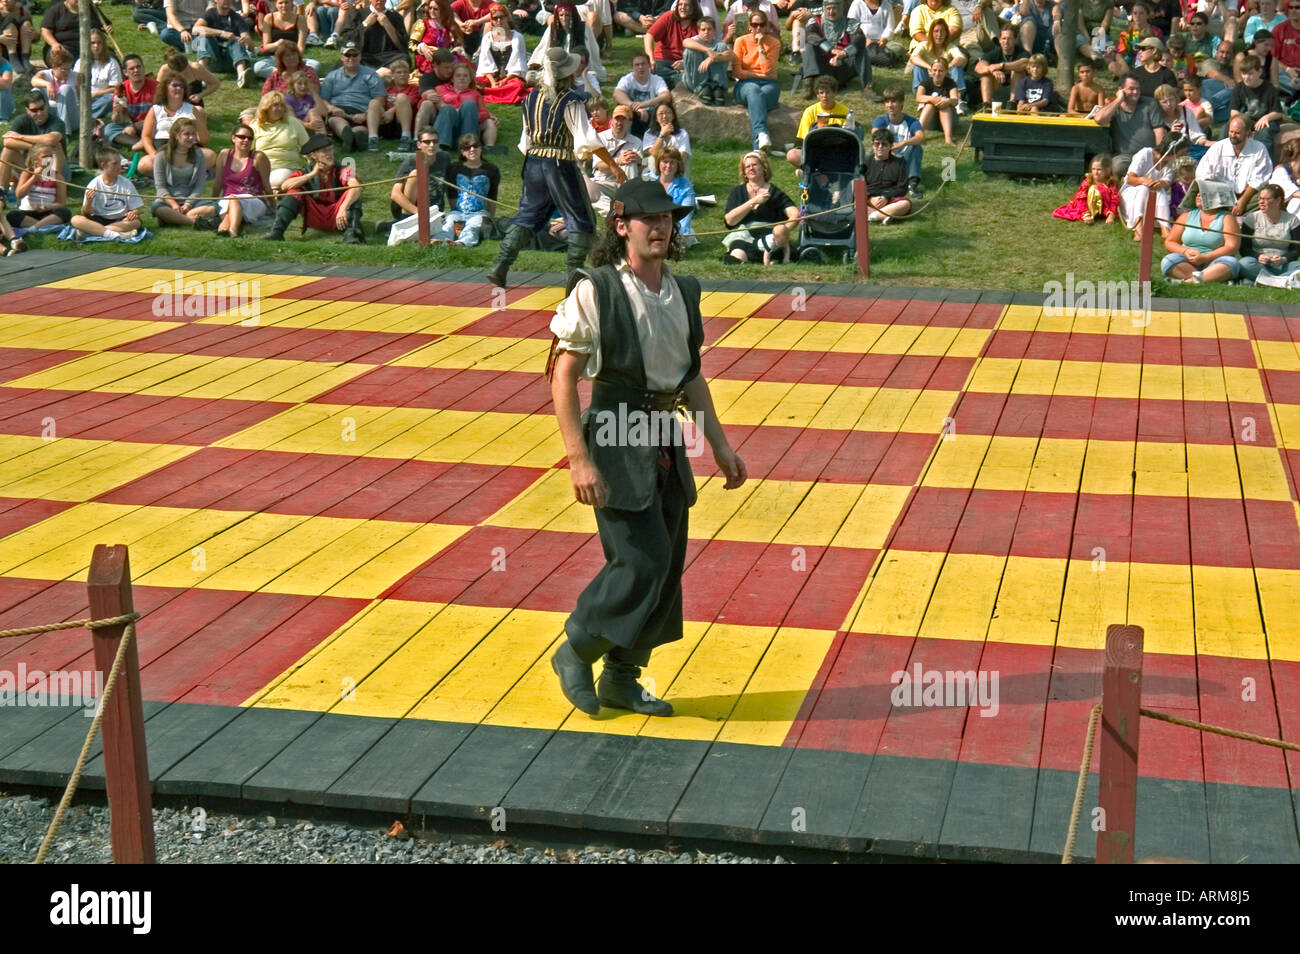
x=645, y=197
x=314, y=142
x=1153, y=43
x=562, y=64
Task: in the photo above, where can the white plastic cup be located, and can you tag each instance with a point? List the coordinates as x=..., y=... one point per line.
x=996, y=106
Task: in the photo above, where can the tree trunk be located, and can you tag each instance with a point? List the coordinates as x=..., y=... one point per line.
x=1067, y=50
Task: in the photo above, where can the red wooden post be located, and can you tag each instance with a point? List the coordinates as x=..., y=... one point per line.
x=1148, y=237
x=860, y=227
x=422, y=195
x=126, y=765
x=1121, y=698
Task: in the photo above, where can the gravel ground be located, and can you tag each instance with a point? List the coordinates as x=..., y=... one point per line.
x=243, y=839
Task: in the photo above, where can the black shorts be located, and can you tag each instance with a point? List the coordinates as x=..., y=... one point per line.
x=16, y=217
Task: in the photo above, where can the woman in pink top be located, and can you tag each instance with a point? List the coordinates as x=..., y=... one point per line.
x=463, y=110
x=241, y=182
x=288, y=60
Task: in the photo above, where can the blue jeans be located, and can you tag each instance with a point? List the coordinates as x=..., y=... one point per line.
x=1177, y=258
x=453, y=122
x=326, y=19
x=224, y=54
x=1251, y=268
x=719, y=74
x=66, y=107
x=911, y=155
x=172, y=37
x=1219, y=97
x=470, y=235
x=6, y=105
x=958, y=74
x=759, y=96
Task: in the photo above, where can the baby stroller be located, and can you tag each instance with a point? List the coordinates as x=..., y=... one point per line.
x=832, y=159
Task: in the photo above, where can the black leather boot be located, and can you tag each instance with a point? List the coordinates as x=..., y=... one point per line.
x=577, y=245
x=354, y=233
x=575, y=679
x=515, y=238
x=619, y=689
x=284, y=215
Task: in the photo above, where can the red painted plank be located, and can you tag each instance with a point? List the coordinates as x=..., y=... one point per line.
x=446, y=575
x=833, y=585
x=931, y=519
x=1011, y=731
x=1274, y=534
x=1286, y=692
x=80, y=303
x=285, y=344
x=16, y=514
x=987, y=523
x=1223, y=683
x=16, y=363
x=714, y=574
x=1160, y=531
x=933, y=732
x=904, y=460
x=1218, y=533
x=850, y=711
x=511, y=323
x=1103, y=520
x=486, y=490
x=1045, y=525
x=809, y=456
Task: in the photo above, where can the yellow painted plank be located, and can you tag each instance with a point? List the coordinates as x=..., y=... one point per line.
x=398, y=683
x=1162, y=382
x=1288, y=423
x=1212, y=471
x=754, y=405
x=478, y=682
x=894, y=600
x=1096, y=596
x=929, y=412
x=1262, y=476
x=842, y=409
x=868, y=524
x=1036, y=376
x=1227, y=612
x=799, y=406
x=1279, y=595
x=1160, y=601
x=1244, y=385
x=1028, y=603
x=707, y=689
x=544, y=299
x=230, y=548
x=1203, y=384
x=1057, y=466
x=1193, y=324
x=968, y=343
x=330, y=562
x=741, y=305
x=1119, y=380
x=993, y=375
x=1230, y=325
x=77, y=334
x=382, y=571
x=1161, y=469
x=819, y=516
x=1007, y=464
x=535, y=700
x=483, y=354
x=964, y=596
x=784, y=335
x=1078, y=378
x=749, y=332
x=777, y=688
x=97, y=471
x=957, y=461
x=1020, y=318
x=1278, y=355
x=765, y=511
x=342, y=663
x=1108, y=468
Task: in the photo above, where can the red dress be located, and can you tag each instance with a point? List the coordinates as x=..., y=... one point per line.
x=432, y=33
x=1103, y=201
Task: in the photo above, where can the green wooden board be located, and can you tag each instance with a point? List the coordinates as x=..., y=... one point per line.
x=396, y=766
x=1250, y=825
x=21, y=724
x=815, y=801
x=730, y=792
x=315, y=760
x=903, y=805
x=169, y=735
x=1171, y=820
x=990, y=813
x=641, y=793
x=50, y=758
x=1053, y=798
x=221, y=765
x=564, y=778
x=477, y=776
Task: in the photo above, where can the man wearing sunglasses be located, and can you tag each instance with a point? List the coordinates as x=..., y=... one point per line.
x=356, y=96
x=405, y=194
x=38, y=126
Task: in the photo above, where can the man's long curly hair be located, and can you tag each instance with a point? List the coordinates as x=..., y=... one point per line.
x=612, y=247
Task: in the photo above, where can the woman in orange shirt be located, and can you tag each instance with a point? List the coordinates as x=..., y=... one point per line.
x=755, y=70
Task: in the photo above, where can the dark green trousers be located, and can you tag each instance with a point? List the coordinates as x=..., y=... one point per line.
x=635, y=602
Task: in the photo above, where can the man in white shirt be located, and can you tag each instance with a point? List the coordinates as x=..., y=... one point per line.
x=1239, y=159
x=626, y=150
x=634, y=330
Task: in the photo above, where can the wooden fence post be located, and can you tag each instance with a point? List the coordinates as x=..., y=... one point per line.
x=1121, y=698
x=1148, y=237
x=126, y=764
x=422, y=195
x=860, y=227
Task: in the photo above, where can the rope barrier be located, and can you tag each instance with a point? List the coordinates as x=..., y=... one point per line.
x=1220, y=730
x=71, y=788
x=70, y=624
x=1081, y=784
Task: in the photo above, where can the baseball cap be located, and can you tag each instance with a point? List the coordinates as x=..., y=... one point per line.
x=624, y=112
x=1153, y=43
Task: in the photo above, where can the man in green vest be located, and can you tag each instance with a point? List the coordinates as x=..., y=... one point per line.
x=634, y=330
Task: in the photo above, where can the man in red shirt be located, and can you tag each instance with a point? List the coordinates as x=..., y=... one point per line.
x=1286, y=52
x=328, y=195
x=473, y=17
x=131, y=102
x=663, y=41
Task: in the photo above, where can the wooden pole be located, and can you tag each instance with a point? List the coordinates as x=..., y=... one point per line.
x=1121, y=699
x=126, y=764
x=422, y=195
x=86, y=156
x=860, y=227
x=1148, y=237
x=1066, y=51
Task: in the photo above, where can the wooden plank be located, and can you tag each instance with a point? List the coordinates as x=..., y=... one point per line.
x=903, y=803
x=730, y=792
x=171, y=734
x=641, y=793
x=989, y=817
x=1053, y=799
x=315, y=760
x=564, y=778
x=50, y=758
x=397, y=766
x=1171, y=820
x=814, y=802
x=232, y=756
x=1251, y=824
x=479, y=774
x=21, y=725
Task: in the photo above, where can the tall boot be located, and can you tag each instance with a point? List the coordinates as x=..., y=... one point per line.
x=619, y=689
x=578, y=244
x=353, y=232
x=572, y=663
x=515, y=238
x=284, y=215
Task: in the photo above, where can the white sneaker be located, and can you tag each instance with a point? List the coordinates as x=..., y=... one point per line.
x=332, y=40
x=313, y=40
x=764, y=141
x=875, y=217
x=961, y=108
